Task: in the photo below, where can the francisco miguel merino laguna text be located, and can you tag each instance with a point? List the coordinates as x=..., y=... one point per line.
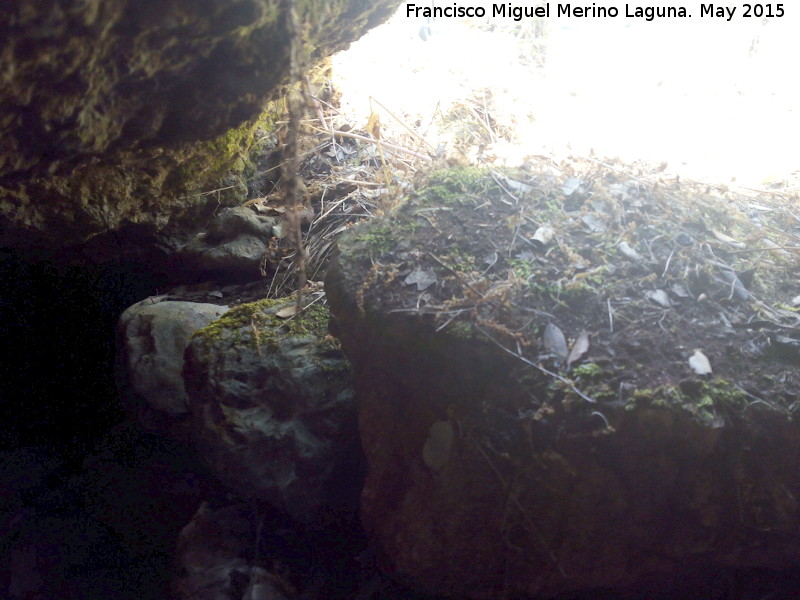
x=517, y=13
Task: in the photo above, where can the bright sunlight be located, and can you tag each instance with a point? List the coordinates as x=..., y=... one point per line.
x=705, y=98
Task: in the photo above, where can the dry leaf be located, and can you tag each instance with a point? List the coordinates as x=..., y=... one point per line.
x=570, y=185
x=659, y=297
x=518, y=187
x=579, y=348
x=738, y=290
x=728, y=239
x=423, y=279
x=286, y=312
x=594, y=223
x=554, y=341
x=680, y=290
x=629, y=252
x=374, y=125
x=437, y=448
x=699, y=363
x=544, y=235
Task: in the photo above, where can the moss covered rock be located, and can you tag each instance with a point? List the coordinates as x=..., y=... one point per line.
x=272, y=405
x=530, y=416
x=117, y=112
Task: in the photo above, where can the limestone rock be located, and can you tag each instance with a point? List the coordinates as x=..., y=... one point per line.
x=495, y=472
x=113, y=112
x=213, y=559
x=272, y=404
x=152, y=338
x=234, y=243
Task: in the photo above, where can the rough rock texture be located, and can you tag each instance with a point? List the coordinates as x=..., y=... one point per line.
x=234, y=244
x=272, y=405
x=103, y=102
x=213, y=558
x=152, y=337
x=495, y=469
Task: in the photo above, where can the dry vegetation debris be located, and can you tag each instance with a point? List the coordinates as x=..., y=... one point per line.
x=625, y=263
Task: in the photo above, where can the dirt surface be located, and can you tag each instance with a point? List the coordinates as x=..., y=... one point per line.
x=593, y=264
x=596, y=364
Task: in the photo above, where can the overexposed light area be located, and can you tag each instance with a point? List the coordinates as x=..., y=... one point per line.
x=716, y=100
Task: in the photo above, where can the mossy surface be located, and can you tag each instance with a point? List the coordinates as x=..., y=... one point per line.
x=232, y=155
x=461, y=253
x=154, y=112
x=258, y=323
x=456, y=186
x=566, y=375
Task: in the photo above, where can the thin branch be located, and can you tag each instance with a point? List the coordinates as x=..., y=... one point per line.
x=386, y=145
x=540, y=368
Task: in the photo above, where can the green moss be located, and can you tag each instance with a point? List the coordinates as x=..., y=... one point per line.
x=459, y=259
x=457, y=185
x=524, y=269
x=379, y=237
x=721, y=393
x=258, y=321
x=588, y=371
x=700, y=398
x=787, y=307
x=231, y=154
x=465, y=330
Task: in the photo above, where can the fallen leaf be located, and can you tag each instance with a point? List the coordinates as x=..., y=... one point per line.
x=436, y=451
x=288, y=311
x=659, y=297
x=594, y=223
x=680, y=290
x=629, y=252
x=374, y=125
x=423, y=279
x=554, y=341
x=738, y=290
x=544, y=235
x=728, y=239
x=518, y=187
x=699, y=363
x=579, y=348
x=570, y=185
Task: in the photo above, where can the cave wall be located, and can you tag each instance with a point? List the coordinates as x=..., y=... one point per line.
x=113, y=112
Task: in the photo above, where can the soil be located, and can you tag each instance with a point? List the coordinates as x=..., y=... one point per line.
x=588, y=269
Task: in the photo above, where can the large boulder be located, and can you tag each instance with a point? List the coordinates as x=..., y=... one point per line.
x=562, y=391
x=117, y=112
x=152, y=336
x=272, y=405
x=234, y=244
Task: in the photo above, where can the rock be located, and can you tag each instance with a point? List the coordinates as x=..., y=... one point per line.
x=272, y=404
x=491, y=473
x=214, y=558
x=114, y=112
x=212, y=546
x=234, y=244
x=152, y=337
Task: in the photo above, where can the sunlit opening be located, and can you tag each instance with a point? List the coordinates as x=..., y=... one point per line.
x=709, y=99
